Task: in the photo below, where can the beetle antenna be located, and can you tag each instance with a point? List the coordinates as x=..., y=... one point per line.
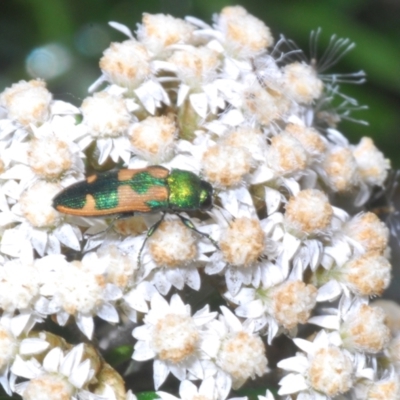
x=188, y=223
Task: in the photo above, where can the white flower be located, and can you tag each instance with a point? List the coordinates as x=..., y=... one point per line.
x=372, y=165
x=27, y=102
x=20, y=283
x=27, y=106
x=42, y=228
x=206, y=391
x=245, y=244
x=323, y=370
x=236, y=353
x=64, y=374
x=365, y=275
x=361, y=328
x=153, y=139
x=173, y=253
x=173, y=337
x=369, y=231
x=285, y=305
x=107, y=119
x=81, y=290
x=385, y=388
x=14, y=343
x=242, y=34
x=158, y=31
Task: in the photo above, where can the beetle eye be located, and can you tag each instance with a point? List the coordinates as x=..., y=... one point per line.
x=206, y=196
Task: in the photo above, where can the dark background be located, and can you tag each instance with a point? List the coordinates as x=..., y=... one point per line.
x=62, y=41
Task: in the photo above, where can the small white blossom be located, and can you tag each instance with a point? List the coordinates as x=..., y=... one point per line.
x=153, y=139
x=158, y=31
x=238, y=354
x=369, y=231
x=60, y=375
x=27, y=102
x=322, y=370
x=243, y=35
x=284, y=305
x=372, y=165
x=80, y=289
x=173, y=337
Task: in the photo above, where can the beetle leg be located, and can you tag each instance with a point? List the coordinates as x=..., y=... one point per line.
x=188, y=223
x=150, y=231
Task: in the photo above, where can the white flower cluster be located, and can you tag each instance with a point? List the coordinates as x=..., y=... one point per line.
x=287, y=232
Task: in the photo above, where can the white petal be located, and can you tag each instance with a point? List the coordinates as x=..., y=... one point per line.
x=80, y=374
x=66, y=235
x=141, y=333
x=143, y=352
x=177, y=304
x=329, y=291
x=292, y=185
x=187, y=389
x=272, y=200
x=196, y=369
x=39, y=240
x=108, y=313
x=167, y=396
x=255, y=309
x=199, y=103
x=182, y=94
x=233, y=281
x=18, y=171
x=19, y=323
x=161, y=282
x=290, y=245
x=32, y=346
x=295, y=364
x=85, y=142
x=192, y=278
x=197, y=22
x=53, y=245
x=62, y=318
x=158, y=302
x=175, y=276
x=112, y=292
x=203, y=319
x=292, y=383
x=231, y=319
x=146, y=99
x=178, y=371
x=232, y=117
x=122, y=28
x=223, y=384
x=105, y=147
x=62, y=107
x=326, y=321
x=26, y=369
x=160, y=373
x=85, y=324
x=136, y=301
x=262, y=174
x=315, y=253
x=216, y=265
x=12, y=242
x=305, y=345
x=72, y=360
x=52, y=361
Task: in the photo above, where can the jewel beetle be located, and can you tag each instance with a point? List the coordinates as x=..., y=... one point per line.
x=126, y=191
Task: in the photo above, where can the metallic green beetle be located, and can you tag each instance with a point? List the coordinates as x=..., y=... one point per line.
x=145, y=190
